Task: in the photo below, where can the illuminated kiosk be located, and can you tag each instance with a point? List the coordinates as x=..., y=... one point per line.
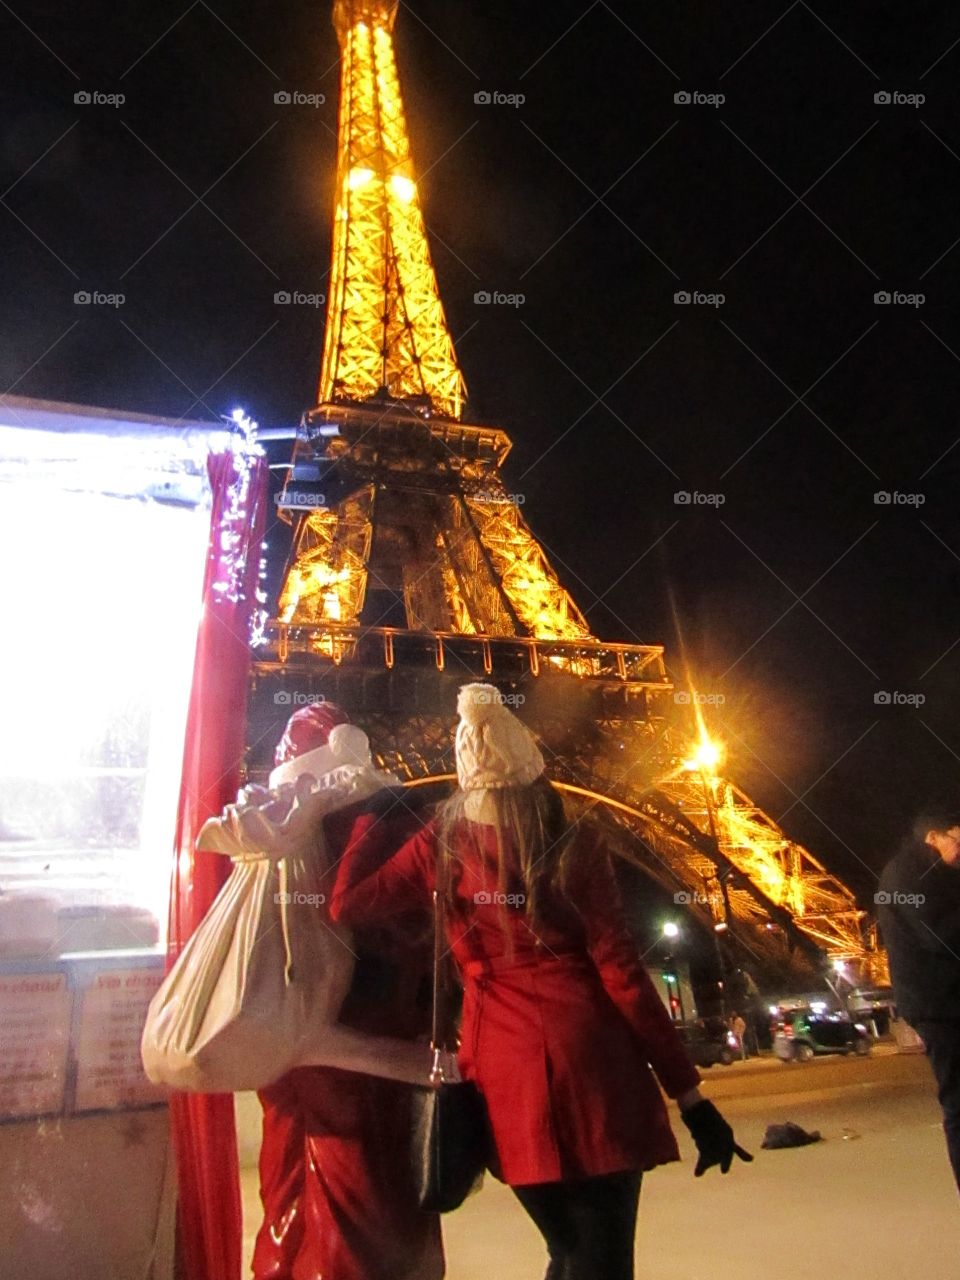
x=106, y=517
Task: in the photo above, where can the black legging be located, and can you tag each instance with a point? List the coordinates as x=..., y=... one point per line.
x=942, y=1040
x=588, y=1225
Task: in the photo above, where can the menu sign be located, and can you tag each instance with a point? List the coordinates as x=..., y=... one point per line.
x=112, y=1013
x=35, y=1011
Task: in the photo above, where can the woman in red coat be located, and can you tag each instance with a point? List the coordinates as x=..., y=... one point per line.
x=336, y=1176
x=561, y=1022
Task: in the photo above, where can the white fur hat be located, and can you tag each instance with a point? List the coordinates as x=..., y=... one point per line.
x=493, y=748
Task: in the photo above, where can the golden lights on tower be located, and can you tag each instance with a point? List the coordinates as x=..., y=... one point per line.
x=386, y=330
x=756, y=845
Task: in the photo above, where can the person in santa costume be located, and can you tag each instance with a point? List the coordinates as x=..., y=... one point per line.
x=562, y=1029
x=336, y=1174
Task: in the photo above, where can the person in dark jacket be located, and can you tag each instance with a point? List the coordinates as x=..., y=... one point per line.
x=919, y=913
x=563, y=1031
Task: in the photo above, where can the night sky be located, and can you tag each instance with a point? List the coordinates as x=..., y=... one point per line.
x=798, y=198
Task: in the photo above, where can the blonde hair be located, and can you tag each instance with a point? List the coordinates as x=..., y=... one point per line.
x=531, y=821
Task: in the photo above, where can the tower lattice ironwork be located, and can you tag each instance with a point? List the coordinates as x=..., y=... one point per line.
x=386, y=328
x=413, y=569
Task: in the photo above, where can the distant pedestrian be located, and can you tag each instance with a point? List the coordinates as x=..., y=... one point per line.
x=739, y=1028
x=919, y=912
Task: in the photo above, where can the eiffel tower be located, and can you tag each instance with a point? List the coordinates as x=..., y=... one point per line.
x=413, y=569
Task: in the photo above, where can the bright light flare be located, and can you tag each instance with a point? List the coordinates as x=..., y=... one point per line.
x=403, y=188
x=95, y=697
x=706, y=757
x=671, y=929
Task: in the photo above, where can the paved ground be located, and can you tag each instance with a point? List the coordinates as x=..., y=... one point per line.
x=875, y=1199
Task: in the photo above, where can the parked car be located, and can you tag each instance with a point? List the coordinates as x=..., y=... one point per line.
x=707, y=1044
x=807, y=1035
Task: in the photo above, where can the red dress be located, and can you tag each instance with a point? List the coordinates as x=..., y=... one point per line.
x=336, y=1175
x=559, y=1033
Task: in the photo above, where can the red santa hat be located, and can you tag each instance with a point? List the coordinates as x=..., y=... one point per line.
x=318, y=737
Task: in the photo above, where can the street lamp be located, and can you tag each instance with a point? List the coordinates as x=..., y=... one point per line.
x=671, y=930
x=721, y=927
x=705, y=760
x=840, y=971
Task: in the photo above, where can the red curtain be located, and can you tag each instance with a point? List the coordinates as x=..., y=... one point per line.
x=209, y=1225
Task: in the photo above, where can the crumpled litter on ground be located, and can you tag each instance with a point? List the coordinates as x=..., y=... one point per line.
x=788, y=1135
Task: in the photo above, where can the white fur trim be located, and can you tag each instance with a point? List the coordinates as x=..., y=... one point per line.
x=349, y=744
x=318, y=762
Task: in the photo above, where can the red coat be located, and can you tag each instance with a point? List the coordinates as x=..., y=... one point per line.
x=336, y=1176
x=558, y=1036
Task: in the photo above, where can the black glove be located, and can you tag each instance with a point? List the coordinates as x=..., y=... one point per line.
x=713, y=1136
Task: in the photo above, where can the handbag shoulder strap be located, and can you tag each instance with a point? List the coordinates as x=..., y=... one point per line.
x=435, y=1018
x=439, y=892
x=438, y=1042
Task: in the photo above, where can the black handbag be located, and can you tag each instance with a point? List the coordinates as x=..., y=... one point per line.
x=451, y=1139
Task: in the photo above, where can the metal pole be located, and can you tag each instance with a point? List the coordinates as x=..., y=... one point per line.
x=723, y=976
x=708, y=797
